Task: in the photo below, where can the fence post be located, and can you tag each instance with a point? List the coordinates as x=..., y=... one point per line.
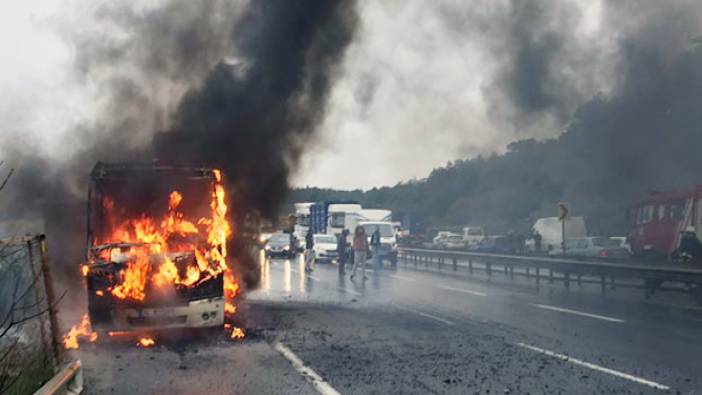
x=538, y=277
x=603, y=284
x=455, y=264
x=470, y=265
x=488, y=268
x=50, y=298
x=566, y=279
x=550, y=276
x=613, y=285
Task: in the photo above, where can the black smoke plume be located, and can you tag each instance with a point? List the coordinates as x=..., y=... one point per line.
x=237, y=86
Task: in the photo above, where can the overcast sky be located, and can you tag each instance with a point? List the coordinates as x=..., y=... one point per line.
x=414, y=93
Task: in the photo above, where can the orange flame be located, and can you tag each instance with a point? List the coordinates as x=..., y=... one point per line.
x=206, y=238
x=146, y=342
x=81, y=330
x=234, y=331
x=237, y=333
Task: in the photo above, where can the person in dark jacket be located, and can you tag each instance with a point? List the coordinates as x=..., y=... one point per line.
x=341, y=250
x=537, y=242
x=375, y=247
x=309, y=251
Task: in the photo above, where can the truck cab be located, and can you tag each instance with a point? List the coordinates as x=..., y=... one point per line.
x=342, y=216
x=388, y=240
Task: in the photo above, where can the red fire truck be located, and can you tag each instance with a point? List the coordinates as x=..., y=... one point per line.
x=658, y=220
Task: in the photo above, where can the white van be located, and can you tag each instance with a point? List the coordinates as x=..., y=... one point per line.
x=388, y=241
x=552, y=233
x=472, y=236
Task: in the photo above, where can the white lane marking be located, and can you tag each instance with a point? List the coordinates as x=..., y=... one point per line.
x=580, y=313
x=311, y=277
x=598, y=368
x=351, y=291
x=426, y=315
x=463, y=290
x=310, y=375
x=397, y=276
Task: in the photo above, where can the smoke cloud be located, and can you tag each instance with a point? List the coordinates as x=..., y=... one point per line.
x=240, y=86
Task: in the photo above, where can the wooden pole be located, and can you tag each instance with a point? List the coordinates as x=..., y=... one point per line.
x=50, y=298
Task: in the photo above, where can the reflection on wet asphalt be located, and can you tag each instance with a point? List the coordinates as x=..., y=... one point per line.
x=419, y=322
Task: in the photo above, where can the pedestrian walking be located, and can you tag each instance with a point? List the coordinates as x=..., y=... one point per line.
x=375, y=247
x=360, y=247
x=309, y=251
x=342, y=251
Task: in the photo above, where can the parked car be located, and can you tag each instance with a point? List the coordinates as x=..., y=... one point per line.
x=440, y=240
x=454, y=242
x=325, y=248
x=592, y=247
x=472, y=236
x=280, y=245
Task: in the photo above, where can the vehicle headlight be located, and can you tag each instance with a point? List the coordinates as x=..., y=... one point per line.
x=267, y=247
x=286, y=248
x=393, y=246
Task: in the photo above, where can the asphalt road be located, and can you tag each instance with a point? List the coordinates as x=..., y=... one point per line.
x=420, y=330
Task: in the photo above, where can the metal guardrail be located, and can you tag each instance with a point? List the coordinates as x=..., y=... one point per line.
x=68, y=380
x=606, y=272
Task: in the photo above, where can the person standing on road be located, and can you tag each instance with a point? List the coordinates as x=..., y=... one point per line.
x=342, y=251
x=537, y=242
x=375, y=247
x=360, y=247
x=309, y=251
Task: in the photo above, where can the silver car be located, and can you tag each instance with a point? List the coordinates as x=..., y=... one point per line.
x=592, y=247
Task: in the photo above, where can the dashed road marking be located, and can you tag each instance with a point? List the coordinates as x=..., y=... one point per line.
x=397, y=276
x=598, y=368
x=311, y=277
x=347, y=290
x=580, y=313
x=463, y=290
x=426, y=315
x=321, y=385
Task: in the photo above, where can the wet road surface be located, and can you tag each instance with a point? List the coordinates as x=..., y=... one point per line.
x=421, y=330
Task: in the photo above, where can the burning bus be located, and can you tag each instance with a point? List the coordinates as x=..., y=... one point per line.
x=157, y=248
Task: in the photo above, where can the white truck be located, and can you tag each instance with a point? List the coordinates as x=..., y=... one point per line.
x=342, y=216
x=551, y=231
x=388, y=240
x=472, y=236
x=302, y=222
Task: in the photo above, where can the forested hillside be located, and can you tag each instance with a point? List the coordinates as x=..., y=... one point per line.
x=647, y=136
